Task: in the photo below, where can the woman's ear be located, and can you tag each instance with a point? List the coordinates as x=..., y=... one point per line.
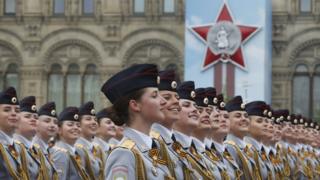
x=134, y=106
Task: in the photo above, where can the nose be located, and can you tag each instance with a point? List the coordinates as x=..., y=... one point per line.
x=162, y=101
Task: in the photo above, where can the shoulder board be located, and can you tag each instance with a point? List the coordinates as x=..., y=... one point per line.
x=36, y=146
x=154, y=134
x=17, y=141
x=79, y=146
x=249, y=145
x=61, y=149
x=230, y=142
x=129, y=144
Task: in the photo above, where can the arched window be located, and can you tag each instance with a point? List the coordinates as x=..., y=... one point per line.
x=58, y=7
x=92, y=86
x=305, y=6
x=12, y=77
x=73, y=86
x=56, y=86
x=9, y=7
x=168, y=6
x=316, y=93
x=87, y=7
x=138, y=6
x=301, y=90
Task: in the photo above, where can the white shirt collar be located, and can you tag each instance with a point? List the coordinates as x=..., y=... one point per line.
x=219, y=147
x=73, y=149
x=186, y=138
x=208, y=142
x=26, y=142
x=147, y=139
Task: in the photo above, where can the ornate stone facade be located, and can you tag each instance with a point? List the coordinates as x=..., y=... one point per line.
x=33, y=39
x=296, y=50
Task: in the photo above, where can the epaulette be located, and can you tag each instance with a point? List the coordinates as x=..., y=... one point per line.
x=154, y=134
x=79, y=146
x=230, y=143
x=61, y=149
x=17, y=141
x=129, y=144
x=36, y=146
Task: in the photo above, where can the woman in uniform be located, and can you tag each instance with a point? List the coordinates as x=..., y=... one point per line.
x=64, y=155
x=137, y=103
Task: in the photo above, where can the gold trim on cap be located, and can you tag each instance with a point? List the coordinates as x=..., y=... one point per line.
x=174, y=84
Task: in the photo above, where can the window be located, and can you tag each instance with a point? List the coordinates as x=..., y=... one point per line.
x=87, y=7
x=316, y=93
x=168, y=6
x=10, y=77
x=9, y=7
x=74, y=88
x=58, y=7
x=301, y=91
x=56, y=86
x=138, y=6
x=305, y=5
x=73, y=94
x=91, y=85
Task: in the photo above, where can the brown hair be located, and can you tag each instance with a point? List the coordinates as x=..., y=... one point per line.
x=120, y=109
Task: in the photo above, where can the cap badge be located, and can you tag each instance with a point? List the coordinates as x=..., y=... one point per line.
x=173, y=84
x=34, y=108
x=53, y=112
x=193, y=94
x=76, y=116
x=14, y=100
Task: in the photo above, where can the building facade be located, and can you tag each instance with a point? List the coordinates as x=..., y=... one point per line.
x=296, y=56
x=63, y=50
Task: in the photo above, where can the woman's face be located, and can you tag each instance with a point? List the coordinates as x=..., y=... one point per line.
x=89, y=125
x=204, y=120
x=47, y=126
x=258, y=127
x=107, y=129
x=171, y=108
x=151, y=105
x=188, y=116
x=9, y=117
x=239, y=122
x=224, y=123
x=28, y=123
x=69, y=131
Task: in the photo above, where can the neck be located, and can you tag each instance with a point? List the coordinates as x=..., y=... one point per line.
x=199, y=135
x=44, y=138
x=238, y=134
x=87, y=137
x=68, y=141
x=219, y=138
x=28, y=136
x=8, y=132
x=140, y=125
x=184, y=130
x=167, y=125
x=105, y=138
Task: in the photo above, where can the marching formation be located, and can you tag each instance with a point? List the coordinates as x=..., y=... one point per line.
x=156, y=128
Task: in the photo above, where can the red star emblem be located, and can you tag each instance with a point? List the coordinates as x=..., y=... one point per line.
x=236, y=57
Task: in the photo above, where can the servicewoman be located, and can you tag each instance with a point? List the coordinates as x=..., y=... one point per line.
x=64, y=155
x=220, y=128
x=46, y=128
x=24, y=133
x=10, y=166
x=202, y=131
x=106, y=130
x=162, y=130
x=136, y=100
x=92, y=156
